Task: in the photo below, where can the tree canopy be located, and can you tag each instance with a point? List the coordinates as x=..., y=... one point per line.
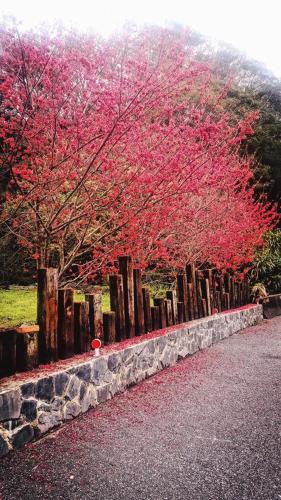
x=122, y=146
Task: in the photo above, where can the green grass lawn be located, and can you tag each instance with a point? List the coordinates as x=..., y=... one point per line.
x=18, y=305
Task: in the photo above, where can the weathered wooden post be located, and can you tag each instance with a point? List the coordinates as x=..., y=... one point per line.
x=228, y=301
x=240, y=284
x=27, y=347
x=172, y=296
x=155, y=318
x=117, y=304
x=82, y=339
x=191, y=279
x=246, y=291
x=8, y=353
x=162, y=312
x=190, y=301
x=109, y=330
x=65, y=323
x=182, y=293
x=221, y=283
x=198, y=275
x=126, y=270
x=180, y=307
x=204, y=308
x=47, y=314
x=95, y=314
x=219, y=293
x=227, y=283
x=147, y=310
x=210, y=290
x=236, y=293
x=224, y=301
x=138, y=303
x=243, y=295
x=232, y=292
x=206, y=296
x=168, y=310
x=219, y=300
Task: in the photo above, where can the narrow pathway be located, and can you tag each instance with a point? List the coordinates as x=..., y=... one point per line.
x=209, y=428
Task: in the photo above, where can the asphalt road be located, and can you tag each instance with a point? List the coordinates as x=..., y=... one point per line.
x=208, y=428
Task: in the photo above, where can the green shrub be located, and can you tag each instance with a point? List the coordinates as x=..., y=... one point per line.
x=267, y=263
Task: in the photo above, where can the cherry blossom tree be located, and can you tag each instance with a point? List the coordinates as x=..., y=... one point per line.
x=121, y=146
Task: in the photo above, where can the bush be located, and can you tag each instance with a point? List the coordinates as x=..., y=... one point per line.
x=267, y=263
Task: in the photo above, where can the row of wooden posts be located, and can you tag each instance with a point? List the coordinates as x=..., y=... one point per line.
x=67, y=327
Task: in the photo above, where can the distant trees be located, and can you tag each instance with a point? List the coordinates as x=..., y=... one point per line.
x=122, y=146
x=251, y=87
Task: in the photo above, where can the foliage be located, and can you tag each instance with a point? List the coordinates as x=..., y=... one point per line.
x=267, y=263
x=250, y=87
x=122, y=147
x=259, y=293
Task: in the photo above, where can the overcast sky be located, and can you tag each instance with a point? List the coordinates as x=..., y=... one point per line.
x=253, y=26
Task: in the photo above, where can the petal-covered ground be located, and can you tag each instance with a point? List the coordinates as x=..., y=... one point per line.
x=208, y=428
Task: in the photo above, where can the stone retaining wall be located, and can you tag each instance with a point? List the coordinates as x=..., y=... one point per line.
x=41, y=401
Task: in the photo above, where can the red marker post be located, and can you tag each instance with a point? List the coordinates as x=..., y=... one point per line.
x=96, y=344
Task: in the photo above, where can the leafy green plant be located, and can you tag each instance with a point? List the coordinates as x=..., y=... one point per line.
x=267, y=264
x=259, y=293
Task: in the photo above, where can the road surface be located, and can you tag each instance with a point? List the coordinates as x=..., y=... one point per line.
x=208, y=428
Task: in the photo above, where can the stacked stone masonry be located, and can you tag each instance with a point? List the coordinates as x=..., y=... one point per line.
x=32, y=407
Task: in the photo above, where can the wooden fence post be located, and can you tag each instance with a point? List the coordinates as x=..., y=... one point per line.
x=247, y=292
x=227, y=283
x=147, y=310
x=8, y=353
x=228, y=301
x=219, y=300
x=82, y=339
x=182, y=293
x=138, y=303
x=95, y=314
x=191, y=278
x=27, y=347
x=47, y=314
x=241, y=293
x=65, y=323
x=230, y=292
x=199, y=294
x=172, y=296
x=162, y=312
x=169, y=313
x=206, y=296
x=126, y=270
x=204, y=308
x=210, y=297
x=234, y=293
x=190, y=301
x=109, y=331
x=155, y=318
x=180, y=312
x=219, y=293
x=117, y=304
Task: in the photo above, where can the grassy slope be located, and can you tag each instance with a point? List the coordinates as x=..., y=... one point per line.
x=18, y=305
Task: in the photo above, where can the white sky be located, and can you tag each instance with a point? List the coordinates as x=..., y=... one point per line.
x=253, y=26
